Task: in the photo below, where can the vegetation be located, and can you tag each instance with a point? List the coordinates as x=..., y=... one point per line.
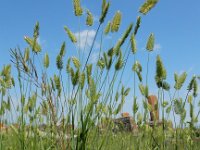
x=75, y=108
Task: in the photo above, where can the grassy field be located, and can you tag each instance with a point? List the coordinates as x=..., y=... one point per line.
x=75, y=108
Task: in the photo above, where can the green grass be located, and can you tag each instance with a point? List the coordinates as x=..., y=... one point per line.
x=74, y=103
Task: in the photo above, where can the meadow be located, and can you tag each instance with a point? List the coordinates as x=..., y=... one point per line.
x=76, y=107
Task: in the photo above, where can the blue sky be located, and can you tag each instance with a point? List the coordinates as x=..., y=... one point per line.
x=174, y=23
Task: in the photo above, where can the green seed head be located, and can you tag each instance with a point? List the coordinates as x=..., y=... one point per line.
x=147, y=6
x=116, y=22
x=77, y=8
x=104, y=12
x=150, y=43
x=133, y=44
x=70, y=35
x=46, y=60
x=89, y=20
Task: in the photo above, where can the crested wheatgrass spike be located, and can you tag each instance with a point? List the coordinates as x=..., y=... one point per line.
x=26, y=54
x=150, y=43
x=57, y=81
x=133, y=44
x=110, y=52
x=89, y=69
x=137, y=67
x=36, y=31
x=119, y=63
x=195, y=88
x=33, y=44
x=77, y=8
x=71, y=35
x=104, y=12
x=46, y=60
x=179, y=80
x=116, y=22
x=190, y=86
x=59, y=62
x=124, y=37
x=89, y=20
x=75, y=78
x=161, y=73
x=137, y=25
x=101, y=64
x=62, y=50
x=107, y=28
x=82, y=80
x=147, y=6
x=103, y=6
x=165, y=86
x=68, y=67
x=76, y=62
x=126, y=34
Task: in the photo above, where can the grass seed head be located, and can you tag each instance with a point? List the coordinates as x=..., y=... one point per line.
x=150, y=43
x=116, y=22
x=133, y=44
x=77, y=8
x=70, y=35
x=104, y=12
x=46, y=60
x=107, y=28
x=147, y=6
x=89, y=20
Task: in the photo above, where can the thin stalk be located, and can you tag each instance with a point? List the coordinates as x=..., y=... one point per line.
x=134, y=88
x=147, y=68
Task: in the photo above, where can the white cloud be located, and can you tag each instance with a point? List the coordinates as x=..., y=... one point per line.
x=85, y=38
